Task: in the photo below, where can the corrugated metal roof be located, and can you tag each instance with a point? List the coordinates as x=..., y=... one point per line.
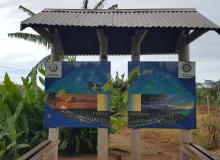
x=131, y=18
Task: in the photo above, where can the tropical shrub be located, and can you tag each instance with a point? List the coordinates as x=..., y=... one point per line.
x=11, y=130
x=119, y=96
x=119, y=102
x=21, y=115
x=78, y=140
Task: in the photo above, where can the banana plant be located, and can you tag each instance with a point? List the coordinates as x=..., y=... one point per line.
x=36, y=38
x=10, y=110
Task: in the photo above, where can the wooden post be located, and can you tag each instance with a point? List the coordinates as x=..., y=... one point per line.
x=53, y=135
x=102, y=139
x=135, y=56
x=183, y=55
x=208, y=106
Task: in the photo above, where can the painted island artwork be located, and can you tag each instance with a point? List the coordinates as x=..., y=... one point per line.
x=77, y=96
x=158, y=98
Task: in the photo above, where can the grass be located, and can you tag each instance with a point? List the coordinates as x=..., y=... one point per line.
x=169, y=134
x=207, y=133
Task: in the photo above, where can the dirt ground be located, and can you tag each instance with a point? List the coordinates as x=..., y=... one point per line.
x=157, y=144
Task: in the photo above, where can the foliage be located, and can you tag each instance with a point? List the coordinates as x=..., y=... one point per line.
x=27, y=126
x=26, y=10
x=208, y=91
x=42, y=41
x=99, y=5
x=35, y=38
x=119, y=97
x=24, y=123
x=8, y=116
x=78, y=140
x=31, y=37
x=207, y=133
x=84, y=140
x=119, y=102
x=33, y=111
x=85, y=4
x=19, y=115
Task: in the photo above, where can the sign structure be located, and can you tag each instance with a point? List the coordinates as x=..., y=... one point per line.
x=77, y=94
x=158, y=98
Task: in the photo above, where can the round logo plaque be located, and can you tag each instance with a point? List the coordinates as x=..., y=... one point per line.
x=186, y=68
x=53, y=67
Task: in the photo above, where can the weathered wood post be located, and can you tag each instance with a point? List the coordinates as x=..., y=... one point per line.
x=53, y=135
x=135, y=56
x=102, y=139
x=208, y=106
x=183, y=55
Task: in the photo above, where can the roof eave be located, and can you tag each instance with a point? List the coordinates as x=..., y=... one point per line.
x=22, y=27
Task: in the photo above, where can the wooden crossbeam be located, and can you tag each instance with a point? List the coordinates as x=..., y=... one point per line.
x=218, y=31
x=35, y=150
x=197, y=152
x=195, y=34
x=46, y=153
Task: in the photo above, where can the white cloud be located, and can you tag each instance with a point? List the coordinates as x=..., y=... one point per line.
x=17, y=56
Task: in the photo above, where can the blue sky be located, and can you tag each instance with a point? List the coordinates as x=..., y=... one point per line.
x=17, y=57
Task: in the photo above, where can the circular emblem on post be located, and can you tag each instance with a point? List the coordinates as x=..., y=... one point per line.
x=53, y=67
x=186, y=68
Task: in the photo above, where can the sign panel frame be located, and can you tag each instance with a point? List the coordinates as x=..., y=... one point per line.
x=77, y=95
x=158, y=98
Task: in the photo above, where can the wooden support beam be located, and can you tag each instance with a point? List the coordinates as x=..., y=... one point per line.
x=195, y=34
x=58, y=41
x=136, y=44
x=102, y=138
x=53, y=135
x=44, y=33
x=182, y=47
x=136, y=147
x=183, y=55
x=103, y=44
x=51, y=36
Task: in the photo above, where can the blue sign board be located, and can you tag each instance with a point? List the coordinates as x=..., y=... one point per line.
x=159, y=98
x=77, y=94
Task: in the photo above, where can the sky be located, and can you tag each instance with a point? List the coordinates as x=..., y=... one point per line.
x=17, y=57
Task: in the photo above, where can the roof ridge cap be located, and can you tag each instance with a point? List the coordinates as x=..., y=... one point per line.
x=120, y=10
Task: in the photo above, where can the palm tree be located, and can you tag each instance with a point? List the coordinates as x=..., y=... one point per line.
x=99, y=5
x=36, y=38
x=39, y=39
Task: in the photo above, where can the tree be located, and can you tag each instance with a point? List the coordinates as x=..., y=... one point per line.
x=82, y=140
x=208, y=90
x=41, y=40
x=99, y=5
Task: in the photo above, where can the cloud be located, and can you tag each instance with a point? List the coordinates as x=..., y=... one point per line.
x=17, y=57
x=6, y=4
